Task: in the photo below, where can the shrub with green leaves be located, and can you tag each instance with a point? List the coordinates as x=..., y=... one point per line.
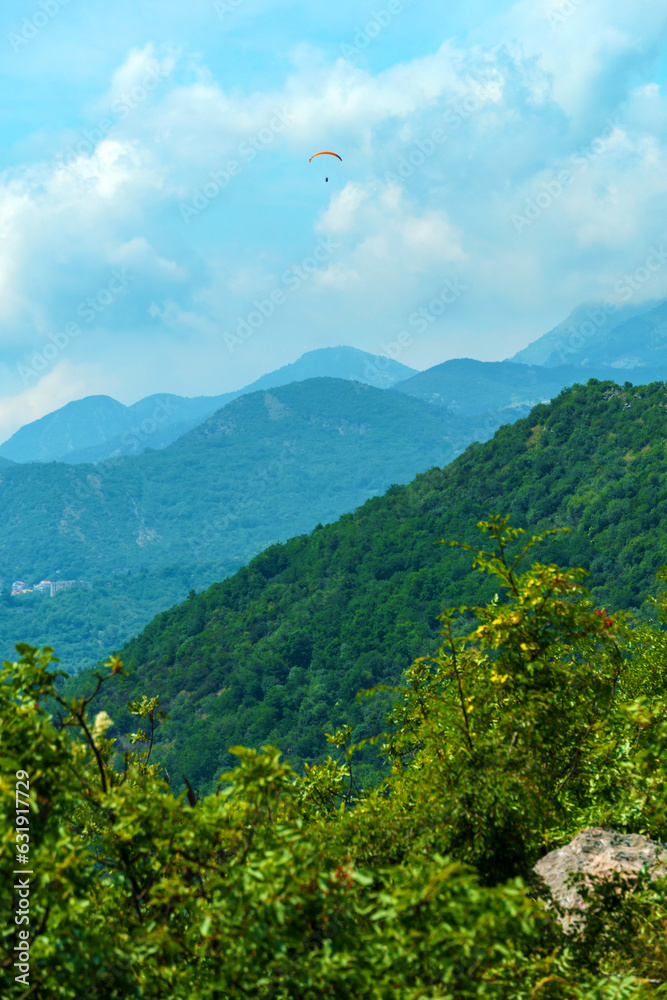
x=509, y=726
x=297, y=887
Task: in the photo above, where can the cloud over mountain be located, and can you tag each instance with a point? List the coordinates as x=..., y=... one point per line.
x=524, y=159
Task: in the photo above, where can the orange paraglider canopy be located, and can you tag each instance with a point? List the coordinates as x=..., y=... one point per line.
x=325, y=152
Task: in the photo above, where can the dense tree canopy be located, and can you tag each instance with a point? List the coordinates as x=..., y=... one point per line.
x=544, y=715
x=145, y=529
x=277, y=652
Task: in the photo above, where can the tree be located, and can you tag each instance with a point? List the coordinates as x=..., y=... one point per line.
x=509, y=725
x=299, y=887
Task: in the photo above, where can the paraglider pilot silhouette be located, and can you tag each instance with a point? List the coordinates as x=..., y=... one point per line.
x=325, y=153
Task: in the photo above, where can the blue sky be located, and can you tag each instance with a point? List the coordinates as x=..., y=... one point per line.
x=161, y=228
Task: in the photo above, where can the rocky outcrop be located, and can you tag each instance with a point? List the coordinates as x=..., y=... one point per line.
x=597, y=852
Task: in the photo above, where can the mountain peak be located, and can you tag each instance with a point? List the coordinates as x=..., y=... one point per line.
x=338, y=362
x=604, y=335
x=98, y=427
x=78, y=424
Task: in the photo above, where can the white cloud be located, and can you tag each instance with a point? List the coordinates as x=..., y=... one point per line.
x=432, y=236
x=61, y=385
x=338, y=276
x=139, y=75
x=514, y=105
x=585, y=48
x=387, y=235
x=342, y=212
x=139, y=254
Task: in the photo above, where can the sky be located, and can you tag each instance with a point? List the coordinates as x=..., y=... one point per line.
x=162, y=228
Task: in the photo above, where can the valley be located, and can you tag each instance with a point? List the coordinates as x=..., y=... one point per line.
x=171, y=511
x=333, y=501
x=276, y=652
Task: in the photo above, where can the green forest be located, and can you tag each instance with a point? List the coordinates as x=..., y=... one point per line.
x=546, y=715
x=277, y=652
x=249, y=475
x=333, y=492
x=146, y=529
x=85, y=623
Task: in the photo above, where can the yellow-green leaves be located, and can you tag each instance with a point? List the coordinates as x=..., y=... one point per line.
x=297, y=887
x=505, y=724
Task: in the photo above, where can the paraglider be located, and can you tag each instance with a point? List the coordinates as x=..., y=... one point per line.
x=325, y=152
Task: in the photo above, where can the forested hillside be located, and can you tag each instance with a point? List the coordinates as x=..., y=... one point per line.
x=95, y=428
x=278, y=651
x=86, y=622
x=262, y=468
x=546, y=718
x=147, y=529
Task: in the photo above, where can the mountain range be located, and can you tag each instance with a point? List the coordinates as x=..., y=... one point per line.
x=624, y=344
x=276, y=652
x=98, y=427
x=606, y=336
x=144, y=530
x=202, y=494
x=505, y=389
x=267, y=465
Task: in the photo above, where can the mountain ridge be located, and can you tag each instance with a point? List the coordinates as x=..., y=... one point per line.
x=594, y=340
x=605, y=335
x=276, y=652
x=99, y=427
x=267, y=466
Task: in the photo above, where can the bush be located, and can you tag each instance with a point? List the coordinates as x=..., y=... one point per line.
x=546, y=716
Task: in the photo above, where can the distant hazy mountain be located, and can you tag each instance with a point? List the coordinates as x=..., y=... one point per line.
x=503, y=390
x=98, y=427
x=264, y=467
x=352, y=604
x=632, y=337
x=337, y=362
x=153, y=422
x=483, y=395
x=88, y=424
x=73, y=426
x=470, y=387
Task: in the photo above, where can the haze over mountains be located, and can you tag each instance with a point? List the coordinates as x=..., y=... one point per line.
x=625, y=338
x=146, y=529
x=276, y=653
x=593, y=341
x=200, y=492
x=98, y=427
x=504, y=389
x=266, y=465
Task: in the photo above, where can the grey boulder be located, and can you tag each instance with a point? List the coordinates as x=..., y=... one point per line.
x=596, y=852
